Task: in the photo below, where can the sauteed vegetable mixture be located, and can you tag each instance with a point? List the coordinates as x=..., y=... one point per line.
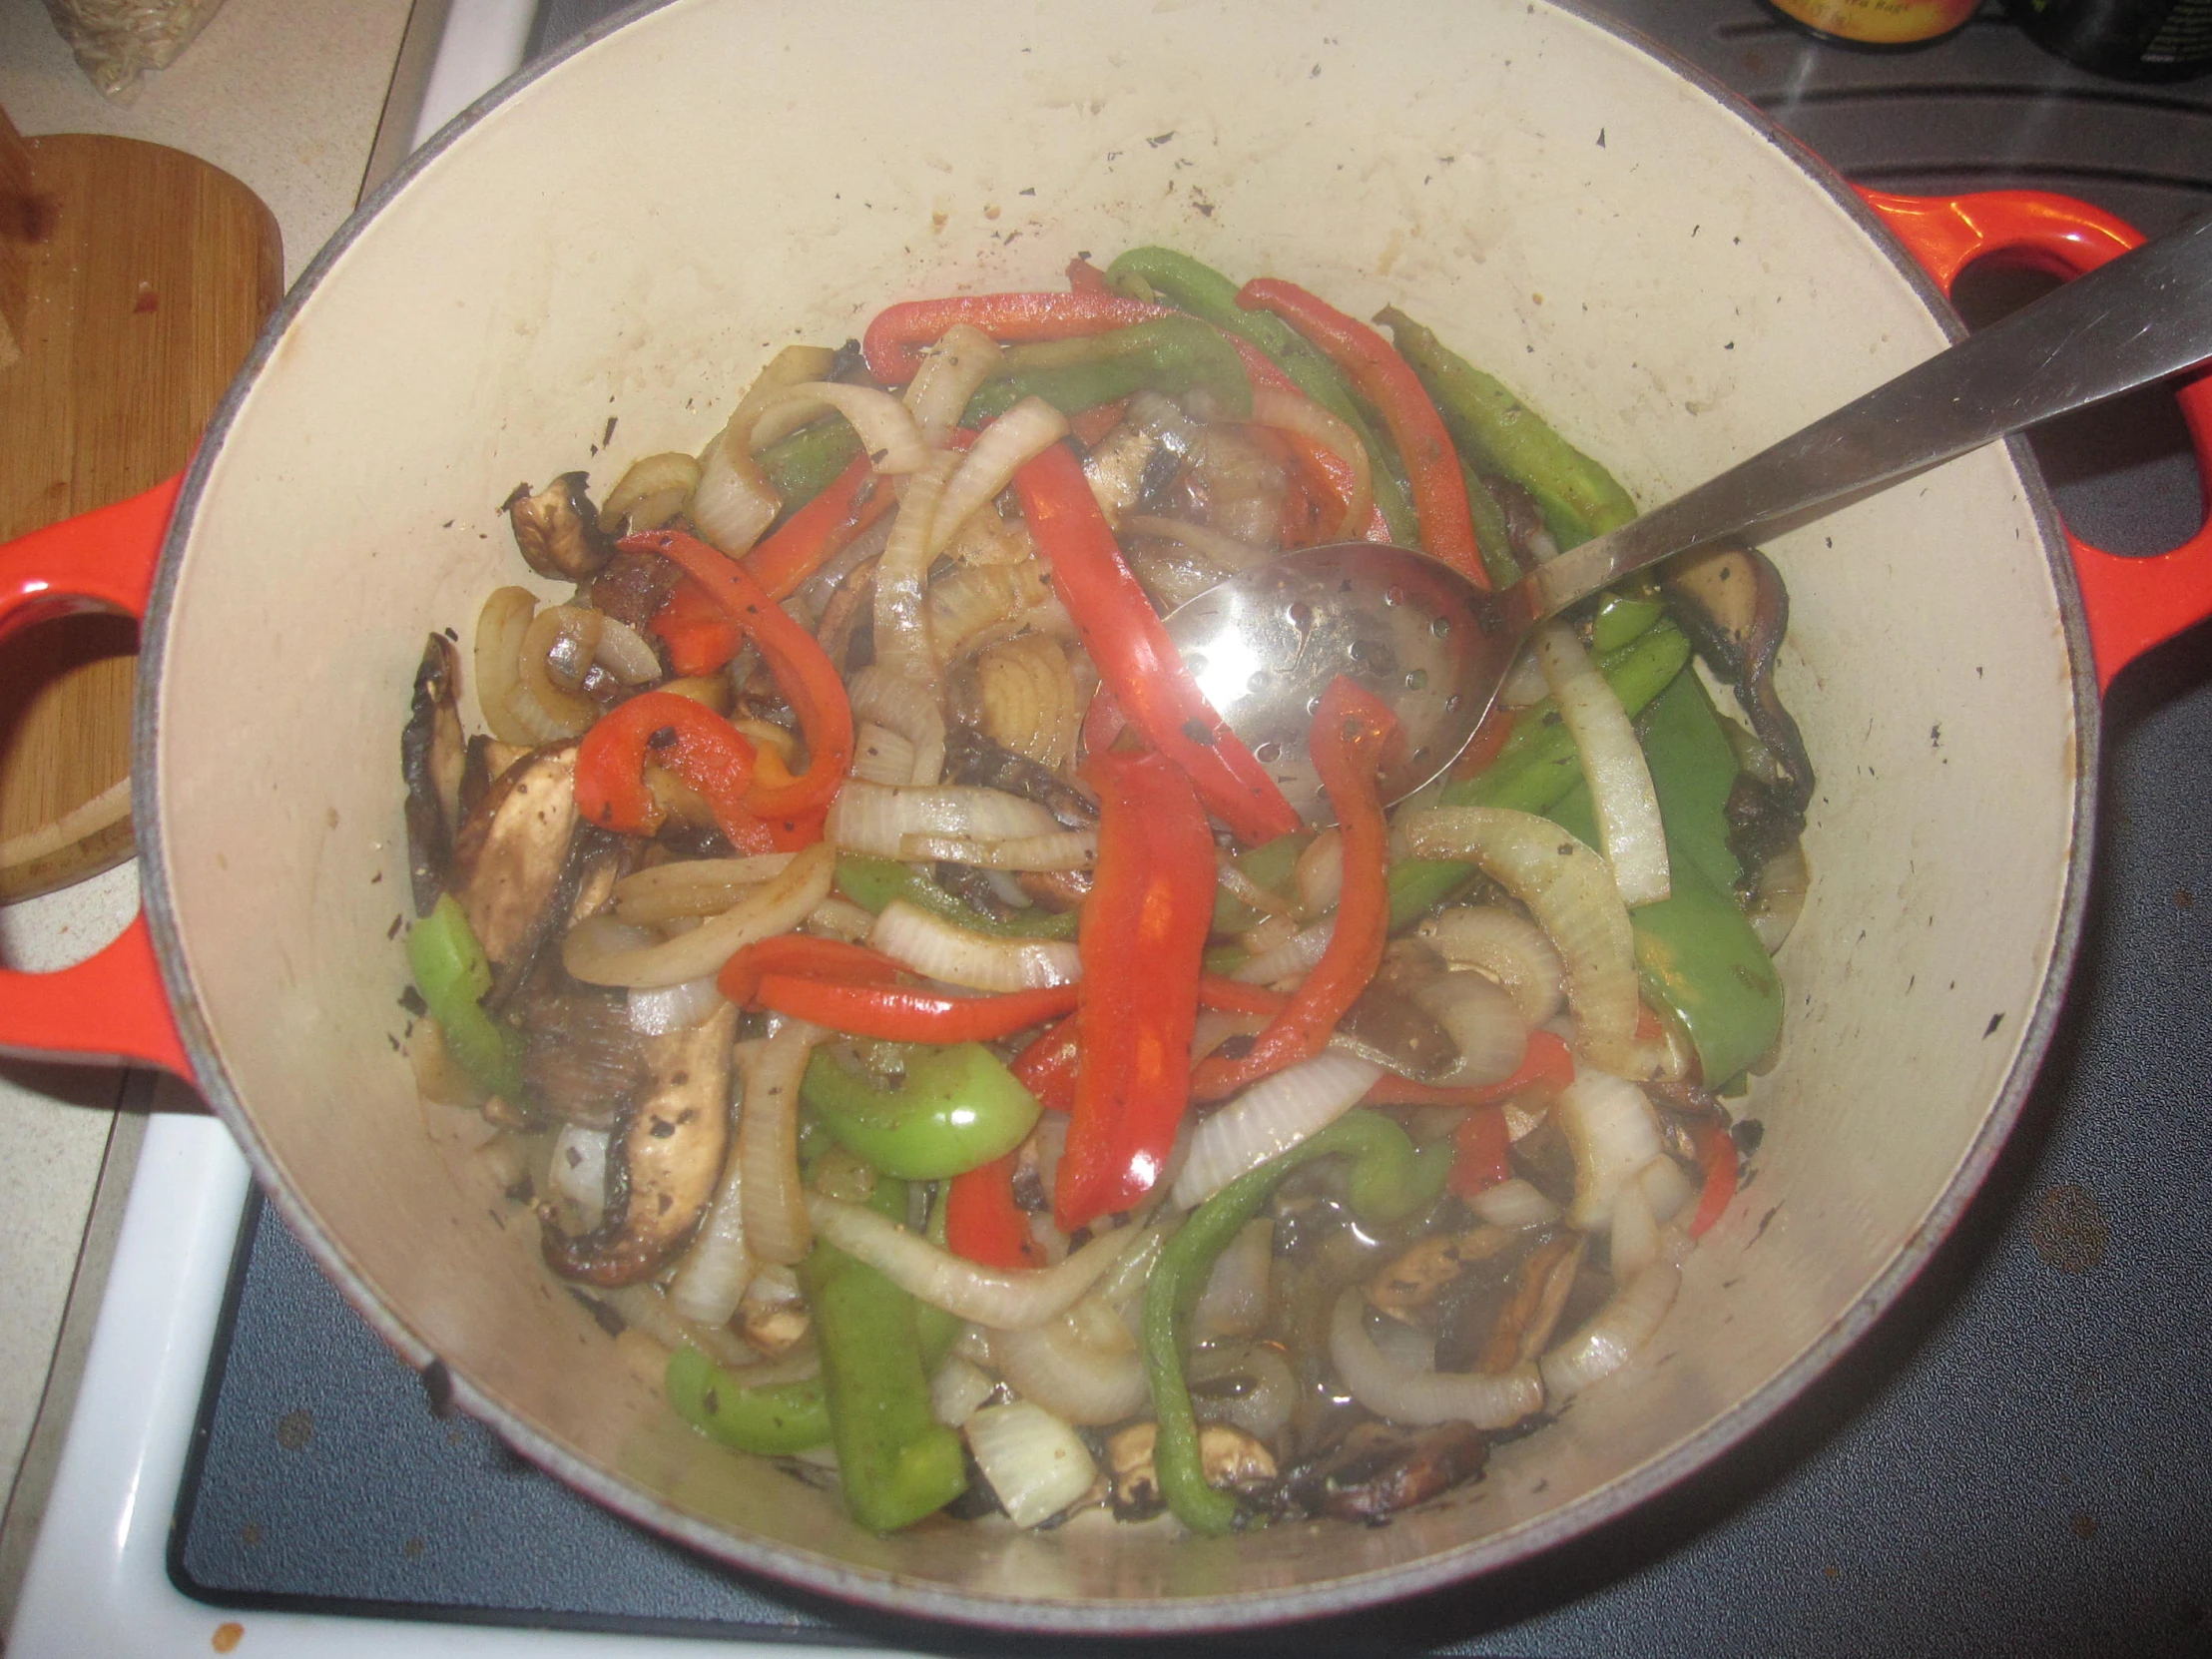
x=928, y=1026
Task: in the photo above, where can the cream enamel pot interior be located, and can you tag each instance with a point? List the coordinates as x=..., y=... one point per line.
x=605, y=254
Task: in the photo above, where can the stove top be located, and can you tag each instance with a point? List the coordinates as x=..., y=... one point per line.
x=2015, y=1461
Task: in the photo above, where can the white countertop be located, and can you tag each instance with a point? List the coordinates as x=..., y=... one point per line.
x=285, y=96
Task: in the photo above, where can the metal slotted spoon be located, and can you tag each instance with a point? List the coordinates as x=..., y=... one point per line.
x=1265, y=645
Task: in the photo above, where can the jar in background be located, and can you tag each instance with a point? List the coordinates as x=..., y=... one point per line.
x=2135, y=40
x=1881, y=24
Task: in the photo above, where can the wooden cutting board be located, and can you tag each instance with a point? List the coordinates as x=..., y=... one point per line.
x=133, y=281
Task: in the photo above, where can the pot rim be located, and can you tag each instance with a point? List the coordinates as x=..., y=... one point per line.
x=885, y=1593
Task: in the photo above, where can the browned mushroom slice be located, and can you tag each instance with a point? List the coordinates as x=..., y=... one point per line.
x=846, y=613
x=581, y=1060
x=557, y=529
x=1230, y=1459
x=433, y=755
x=510, y=858
x=664, y=1159
x=1531, y=1312
x=1397, y=1034
x=1409, y=1287
x=971, y=757
x=1376, y=1470
x=1527, y=538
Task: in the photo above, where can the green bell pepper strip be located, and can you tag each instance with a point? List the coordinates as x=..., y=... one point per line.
x=897, y=1464
x=1171, y=354
x=1162, y=274
x=873, y=884
x=1693, y=769
x=451, y=972
x=958, y=1107
x=1498, y=432
x=1537, y=766
x=1491, y=538
x=774, y=1420
x=1389, y=1180
x=1272, y=865
x=1622, y=617
x=800, y=466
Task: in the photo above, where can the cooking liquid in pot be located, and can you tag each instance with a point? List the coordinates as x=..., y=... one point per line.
x=1455, y=1113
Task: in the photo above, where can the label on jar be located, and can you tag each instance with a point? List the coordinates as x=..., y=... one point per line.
x=1879, y=22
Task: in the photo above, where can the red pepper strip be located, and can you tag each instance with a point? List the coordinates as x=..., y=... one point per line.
x=1142, y=938
x=906, y=1014
x=698, y=633
x=804, y=954
x=687, y=737
x=1046, y=1068
x=1086, y=278
x=985, y=1224
x=1232, y=997
x=1350, y=730
x=802, y=671
x=1479, y=1148
x=1133, y=653
x=893, y=342
x=1389, y=384
x=821, y=530
x=1547, y=1062
x=1716, y=1150
x=1093, y=424
x=1488, y=742
x=1103, y=723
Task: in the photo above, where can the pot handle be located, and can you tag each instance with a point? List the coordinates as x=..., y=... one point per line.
x=111, y=1007
x=2132, y=604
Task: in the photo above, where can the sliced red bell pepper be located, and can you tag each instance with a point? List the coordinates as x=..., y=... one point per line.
x=804, y=673
x=985, y=1224
x=1488, y=742
x=686, y=736
x=1232, y=997
x=1133, y=653
x=1046, y=1068
x=893, y=342
x=820, y=530
x=907, y=1014
x=698, y=633
x=1086, y=278
x=1350, y=730
x=1479, y=1148
x=1141, y=938
x=1716, y=1150
x=1091, y=424
x=1389, y=384
x=804, y=954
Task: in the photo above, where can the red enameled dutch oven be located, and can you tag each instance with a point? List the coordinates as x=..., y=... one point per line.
x=604, y=253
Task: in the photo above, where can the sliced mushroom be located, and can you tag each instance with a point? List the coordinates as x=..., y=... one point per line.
x=433, y=755
x=1055, y=889
x=1527, y=537
x=557, y=529
x=664, y=1160
x=1376, y=1470
x=1134, y=463
x=1231, y=1460
x=851, y=609
x=1409, y=1287
x=1530, y=1315
x=581, y=1061
x=633, y=587
x=971, y=757
x=510, y=857
x=1397, y=1034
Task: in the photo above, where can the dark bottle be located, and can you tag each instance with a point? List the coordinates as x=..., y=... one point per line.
x=2134, y=40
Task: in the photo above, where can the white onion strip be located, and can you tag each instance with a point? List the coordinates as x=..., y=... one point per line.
x=1023, y=432
x=902, y=644
x=1505, y=946
x=938, y=394
x=1320, y=873
x=769, y=1070
x=1082, y=1367
x=711, y=1280
x=888, y=700
x=1004, y=1301
x=1621, y=792
x=1570, y=892
x=1063, y=849
x=886, y=427
x=731, y=503
x=693, y=886
x=881, y=756
x=877, y=818
x=1614, y=1333
x=497, y=652
x=956, y=955
x=1514, y=1203
x=1294, y=959
x=1613, y=1133
x=1482, y=1022
x=603, y=951
x=1269, y=1118
x=1421, y=1398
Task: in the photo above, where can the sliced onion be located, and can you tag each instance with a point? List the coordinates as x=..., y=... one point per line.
x=1621, y=792
x=768, y=1071
x=881, y=756
x=1291, y=411
x=876, y=818
x=1614, y=1333
x=651, y=493
x=952, y=369
x=841, y=918
x=1022, y=433
x=1514, y=1203
x=1004, y=1301
x=1778, y=896
x=603, y=951
x=693, y=886
x=1261, y=1409
x=1035, y=1463
x=887, y=430
x=1269, y=1118
x=1215, y=1026
x=578, y=1170
x=902, y=644
x=1421, y=1398
x=623, y=652
x=732, y=502
x=1083, y=1367
x=539, y=702
x=1667, y=1189
x=1570, y=891
x=1029, y=700
x=501, y=627
x=717, y=1265
x=955, y=956
x=662, y=1009
x=1483, y=1023
x=1064, y=849
x=1247, y=893
x=1235, y=1299
x=1506, y=945
x=1291, y=959
x=974, y=606
x=1227, y=551
x=1613, y=1133
x=957, y=1389
x=1320, y=873
x=888, y=700
x=1634, y=1233
x=987, y=537
x=644, y=1309
x=1524, y=686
